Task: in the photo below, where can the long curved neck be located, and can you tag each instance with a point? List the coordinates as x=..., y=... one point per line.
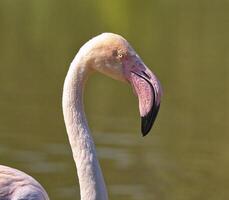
x=91, y=180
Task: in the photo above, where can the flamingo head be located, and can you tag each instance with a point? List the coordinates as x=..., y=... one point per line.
x=112, y=55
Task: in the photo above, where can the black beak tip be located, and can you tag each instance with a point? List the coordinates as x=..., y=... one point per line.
x=148, y=120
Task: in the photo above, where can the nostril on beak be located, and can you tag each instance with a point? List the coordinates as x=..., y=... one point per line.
x=147, y=76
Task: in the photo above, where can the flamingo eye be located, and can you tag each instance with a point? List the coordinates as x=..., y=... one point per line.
x=120, y=55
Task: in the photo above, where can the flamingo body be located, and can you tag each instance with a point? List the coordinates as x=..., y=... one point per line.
x=15, y=185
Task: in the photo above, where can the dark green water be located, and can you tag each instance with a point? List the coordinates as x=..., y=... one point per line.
x=186, y=43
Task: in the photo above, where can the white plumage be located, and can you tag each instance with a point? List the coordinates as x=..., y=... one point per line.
x=111, y=55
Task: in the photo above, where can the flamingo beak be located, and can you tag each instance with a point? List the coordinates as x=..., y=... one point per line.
x=147, y=88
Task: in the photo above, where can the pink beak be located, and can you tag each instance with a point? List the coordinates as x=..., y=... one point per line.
x=148, y=89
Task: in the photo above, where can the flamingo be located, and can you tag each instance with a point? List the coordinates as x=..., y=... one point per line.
x=113, y=56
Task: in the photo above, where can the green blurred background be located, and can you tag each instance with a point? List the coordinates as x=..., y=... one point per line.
x=186, y=156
